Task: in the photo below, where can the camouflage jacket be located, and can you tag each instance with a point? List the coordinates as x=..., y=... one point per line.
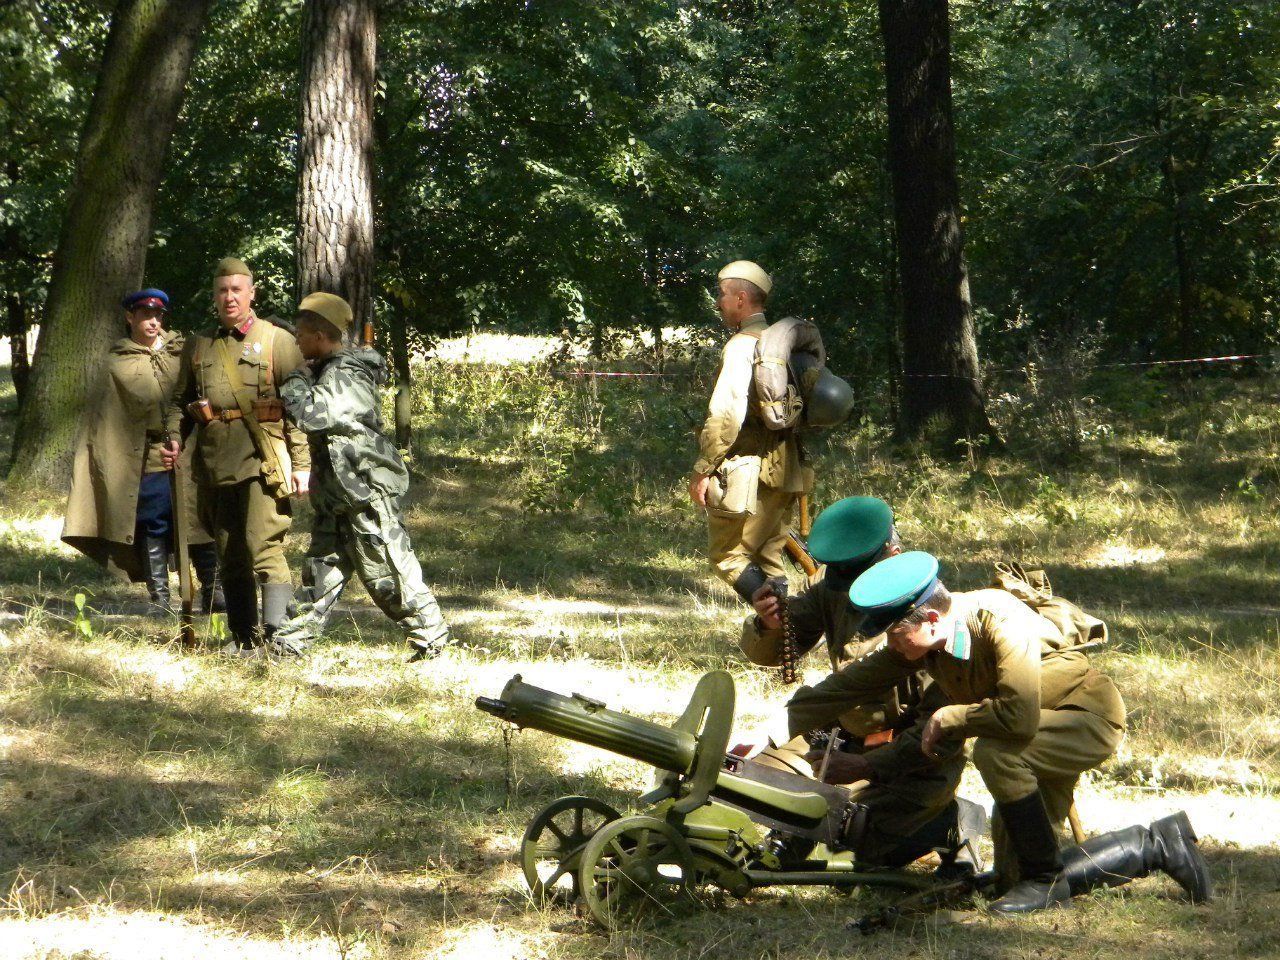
x=337, y=405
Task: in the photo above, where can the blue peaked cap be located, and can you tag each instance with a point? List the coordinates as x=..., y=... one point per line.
x=150, y=293
x=892, y=589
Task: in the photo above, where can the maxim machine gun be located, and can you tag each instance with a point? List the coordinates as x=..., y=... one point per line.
x=714, y=819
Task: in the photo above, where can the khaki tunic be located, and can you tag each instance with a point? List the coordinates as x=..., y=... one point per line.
x=122, y=439
x=263, y=356
x=733, y=428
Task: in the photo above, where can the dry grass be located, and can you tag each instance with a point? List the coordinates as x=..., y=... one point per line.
x=160, y=803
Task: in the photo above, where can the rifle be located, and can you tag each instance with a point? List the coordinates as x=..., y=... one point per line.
x=186, y=589
x=366, y=335
x=799, y=553
x=931, y=898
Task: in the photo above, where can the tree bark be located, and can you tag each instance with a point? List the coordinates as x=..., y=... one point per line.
x=102, y=249
x=335, y=167
x=941, y=379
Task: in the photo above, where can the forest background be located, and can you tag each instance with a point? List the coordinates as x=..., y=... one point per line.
x=575, y=173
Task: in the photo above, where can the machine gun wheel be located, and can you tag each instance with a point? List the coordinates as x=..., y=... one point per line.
x=633, y=868
x=552, y=846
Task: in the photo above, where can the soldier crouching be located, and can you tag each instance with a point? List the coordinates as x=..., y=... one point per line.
x=358, y=481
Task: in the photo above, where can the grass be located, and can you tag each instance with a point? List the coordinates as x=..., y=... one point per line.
x=350, y=805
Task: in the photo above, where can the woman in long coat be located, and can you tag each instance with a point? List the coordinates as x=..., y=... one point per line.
x=120, y=511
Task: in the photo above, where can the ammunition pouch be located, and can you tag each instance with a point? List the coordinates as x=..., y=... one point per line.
x=733, y=488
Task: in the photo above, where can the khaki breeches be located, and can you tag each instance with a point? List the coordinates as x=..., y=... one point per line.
x=248, y=525
x=1068, y=743
x=736, y=542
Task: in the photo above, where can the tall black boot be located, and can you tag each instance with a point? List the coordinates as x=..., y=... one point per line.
x=204, y=558
x=1042, y=882
x=1115, y=858
x=154, y=554
x=242, y=612
x=276, y=598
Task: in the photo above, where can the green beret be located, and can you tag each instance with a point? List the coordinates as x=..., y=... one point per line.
x=232, y=267
x=893, y=588
x=329, y=306
x=851, y=530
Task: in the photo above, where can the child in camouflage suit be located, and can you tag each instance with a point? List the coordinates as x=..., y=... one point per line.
x=357, y=482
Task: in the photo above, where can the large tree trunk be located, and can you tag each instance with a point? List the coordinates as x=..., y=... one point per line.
x=335, y=168
x=940, y=355
x=103, y=246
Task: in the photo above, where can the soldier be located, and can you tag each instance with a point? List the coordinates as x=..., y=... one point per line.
x=120, y=510
x=910, y=805
x=358, y=487
x=759, y=473
x=1039, y=715
x=247, y=460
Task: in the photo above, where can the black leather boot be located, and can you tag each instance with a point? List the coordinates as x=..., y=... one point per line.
x=750, y=580
x=1042, y=882
x=154, y=554
x=1115, y=858
x=242, y=612
x=276, y=598
x=204, y=558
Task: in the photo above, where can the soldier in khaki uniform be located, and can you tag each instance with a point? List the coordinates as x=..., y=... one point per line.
x=745, y=540
x=120, y=509
x=1039, y=714
x=248, y=460
x=911, y=806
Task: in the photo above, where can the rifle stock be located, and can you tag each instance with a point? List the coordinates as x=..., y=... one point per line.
x=186, y=589
x=800, y=555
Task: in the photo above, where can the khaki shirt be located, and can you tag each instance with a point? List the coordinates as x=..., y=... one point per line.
x=263, y=356
x=733, y=428
x=1014, y=670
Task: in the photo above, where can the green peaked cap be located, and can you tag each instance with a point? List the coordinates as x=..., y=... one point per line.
x=893, y=588
x=851, y=529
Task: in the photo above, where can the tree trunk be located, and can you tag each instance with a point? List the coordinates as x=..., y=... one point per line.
x=102, y=249
x=942, y=382
x=19, y=365
x=1187, y=339
x=335, y=166
x=404, y=377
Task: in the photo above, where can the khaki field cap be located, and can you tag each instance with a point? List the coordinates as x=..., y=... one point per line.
x=746, y=270
x=330, y=306
x=232, y=267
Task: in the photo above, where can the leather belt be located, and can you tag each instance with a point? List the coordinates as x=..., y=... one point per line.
x=226, y=413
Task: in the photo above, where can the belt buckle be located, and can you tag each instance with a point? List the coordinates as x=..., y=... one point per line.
x=224, y=415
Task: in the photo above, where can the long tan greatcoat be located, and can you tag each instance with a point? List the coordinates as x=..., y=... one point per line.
x=120, y=440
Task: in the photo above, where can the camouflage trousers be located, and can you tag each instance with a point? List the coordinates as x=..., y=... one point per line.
x=373, y=544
